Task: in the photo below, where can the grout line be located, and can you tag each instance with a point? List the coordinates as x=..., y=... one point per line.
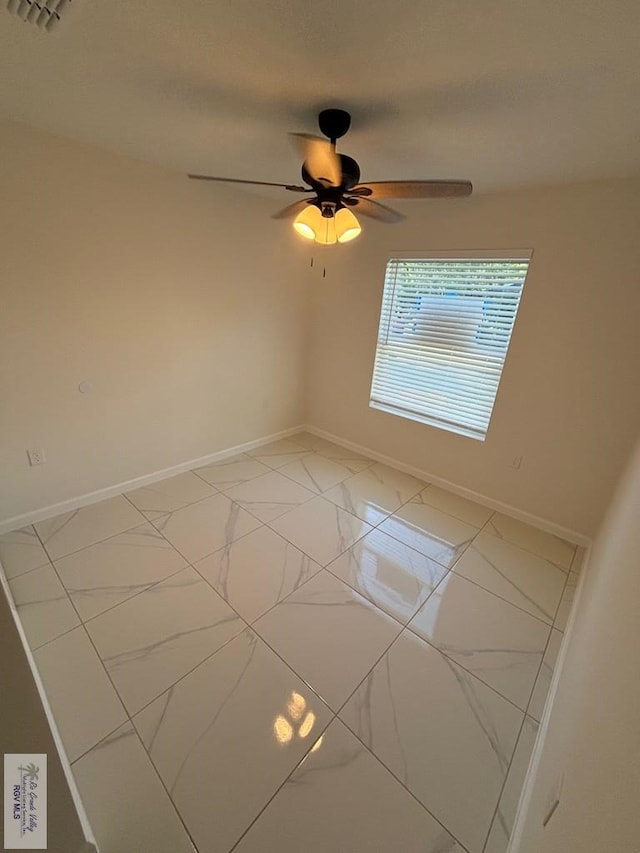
x=260, y=639
x=154, y=770
x=299, y=548
x=103, y=738
x=527, y=714
x=129, y=717
x=226, y=545
x=375, y=603
x=336, y=713
x=284, y=512
x=281, y=786
x=217, y=493
x=280, y=600
x=475, y=675
x=99, y=541
x=29, y=571
x=560, y=532
x=448, y=568
x=151, y=586
x=506, y=600
x=370, y=749
x=504, y=782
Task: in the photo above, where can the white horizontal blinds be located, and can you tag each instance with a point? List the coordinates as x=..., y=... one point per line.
x=444, y=332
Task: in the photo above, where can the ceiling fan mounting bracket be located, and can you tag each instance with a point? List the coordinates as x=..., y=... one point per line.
x=334, y=123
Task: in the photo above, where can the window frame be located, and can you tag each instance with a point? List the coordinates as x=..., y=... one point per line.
x=497, y=255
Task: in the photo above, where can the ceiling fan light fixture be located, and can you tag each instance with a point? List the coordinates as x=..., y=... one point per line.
x=317, y=224
x=346, y=225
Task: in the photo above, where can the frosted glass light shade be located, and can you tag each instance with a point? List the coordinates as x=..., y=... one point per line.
x=308, y=222
x=326, y=233
x=347, y=226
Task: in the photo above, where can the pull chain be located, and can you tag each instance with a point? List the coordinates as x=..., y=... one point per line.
x=324, y=269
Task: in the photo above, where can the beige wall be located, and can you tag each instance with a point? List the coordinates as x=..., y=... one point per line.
x=569, y=400
x=194, y=335
x=174, y=299
x=591, y=747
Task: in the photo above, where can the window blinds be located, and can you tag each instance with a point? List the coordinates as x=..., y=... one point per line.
x=445, y=327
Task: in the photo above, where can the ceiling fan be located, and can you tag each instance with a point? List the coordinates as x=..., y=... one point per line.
x=334, y=188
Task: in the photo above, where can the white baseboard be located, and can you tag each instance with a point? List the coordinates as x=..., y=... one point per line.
x=70, y=504
x=526, y=795
x=529, y=518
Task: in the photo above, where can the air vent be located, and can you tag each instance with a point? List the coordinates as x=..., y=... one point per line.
x=44, y=13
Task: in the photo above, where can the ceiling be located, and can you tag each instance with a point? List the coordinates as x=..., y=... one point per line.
x=504, y=92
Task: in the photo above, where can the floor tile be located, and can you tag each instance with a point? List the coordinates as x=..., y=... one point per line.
x=352, y=460
x=566, y=602
x=545, y=545
x=203, y=527
x=170, y=494
x=375, y=492
x=500, y=644
x=85, y=526
x=448, y=737
x=341, y=799
x=462, y=508
x=276, y=454
x=543, y=682
x=316, y=472
x=257, y=572
x=43, y=605
x=518, y=576
x=269, y=496
x=225, y=738
x=21, y=551
x=152, y=640
x=106, y=574
x=502, y=825
x=320, y=529
x=135, y=814
x=232, y=471
x=389, y=573
x=84, y=703
x=329, y=635
x=429, y=670
x=305, y=439
x=430, y=531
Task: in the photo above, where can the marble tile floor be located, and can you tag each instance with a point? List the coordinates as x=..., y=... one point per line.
x=295, y=648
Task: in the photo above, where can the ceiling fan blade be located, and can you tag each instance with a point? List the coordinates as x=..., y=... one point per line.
x=290, y=210
x=375, y=210
x=293, y=187
x=320, y=158
x=414, y=189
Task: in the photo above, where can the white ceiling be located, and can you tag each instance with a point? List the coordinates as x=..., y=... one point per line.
x=504, y=92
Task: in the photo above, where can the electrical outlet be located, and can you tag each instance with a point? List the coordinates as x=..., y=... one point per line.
x=517, y=462
x=36, y=456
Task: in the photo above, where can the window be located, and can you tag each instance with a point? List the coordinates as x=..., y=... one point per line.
x=445, y=327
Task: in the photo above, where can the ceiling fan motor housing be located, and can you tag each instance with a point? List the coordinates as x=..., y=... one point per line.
x=350, y=176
